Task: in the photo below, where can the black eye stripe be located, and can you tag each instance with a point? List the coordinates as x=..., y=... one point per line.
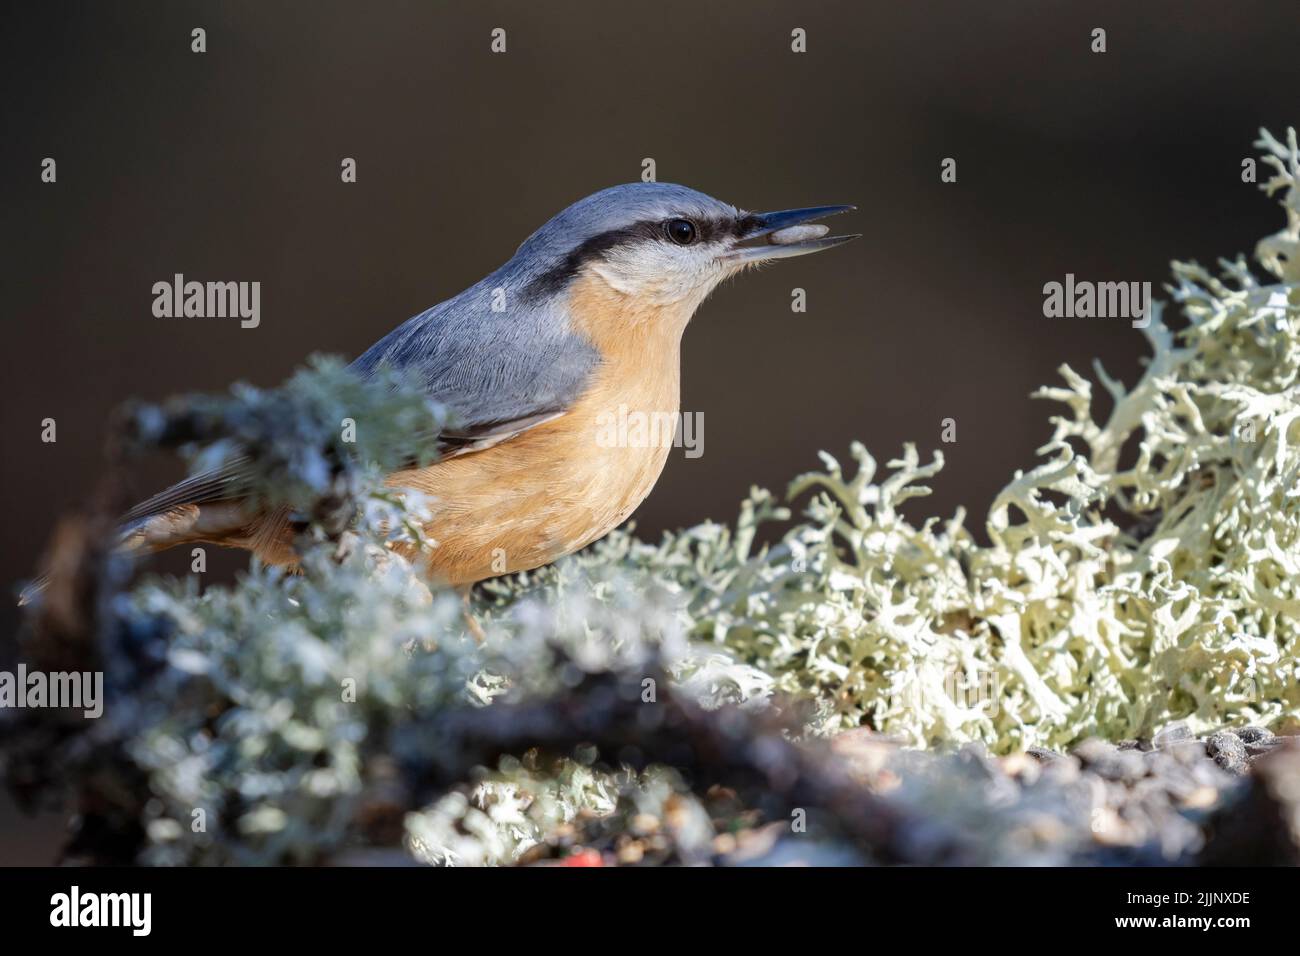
x=707, y=230
x=710, y=230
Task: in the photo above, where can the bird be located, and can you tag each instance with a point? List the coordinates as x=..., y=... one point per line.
x=585, y=317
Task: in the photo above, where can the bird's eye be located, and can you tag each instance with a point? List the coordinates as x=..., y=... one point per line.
x=680, y=231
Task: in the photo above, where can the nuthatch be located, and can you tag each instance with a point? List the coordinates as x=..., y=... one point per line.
x=595, y=305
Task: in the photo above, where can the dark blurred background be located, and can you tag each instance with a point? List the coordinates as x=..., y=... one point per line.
x=225, y=166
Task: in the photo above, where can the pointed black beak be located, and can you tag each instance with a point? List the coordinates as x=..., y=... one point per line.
x=788, y=234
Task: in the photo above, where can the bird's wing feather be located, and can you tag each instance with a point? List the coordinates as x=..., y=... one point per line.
x=500, y=374
x=490, y=368
x=460, y=442
x=218, y=484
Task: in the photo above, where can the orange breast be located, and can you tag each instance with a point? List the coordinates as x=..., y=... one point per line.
x=559, y=486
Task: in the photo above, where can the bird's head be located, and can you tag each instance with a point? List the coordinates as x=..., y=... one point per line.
x=663, y=246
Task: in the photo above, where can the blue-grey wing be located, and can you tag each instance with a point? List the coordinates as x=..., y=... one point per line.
x=499, y=372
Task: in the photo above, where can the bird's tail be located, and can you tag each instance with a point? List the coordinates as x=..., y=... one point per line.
x=142, y=535
x=227, y=523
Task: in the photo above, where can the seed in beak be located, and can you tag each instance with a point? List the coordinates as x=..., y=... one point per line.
x=793, y=234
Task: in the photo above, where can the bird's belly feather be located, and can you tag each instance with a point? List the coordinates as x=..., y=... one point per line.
x=550, y=491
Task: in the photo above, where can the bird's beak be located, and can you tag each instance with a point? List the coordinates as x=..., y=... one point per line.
x=786, y=233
